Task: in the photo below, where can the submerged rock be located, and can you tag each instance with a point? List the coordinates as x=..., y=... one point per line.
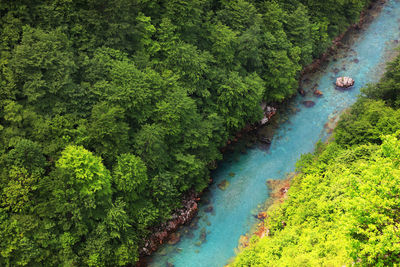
x=249, y=144
x=209, y=209
x=174, y=238
x=203, y=235
x=265, y=140
x=308, y=103
x=194, y=223
x=198, y=243
x=223, y=185
x=344, y=82
x=163, y=252
x=206, y=200
x=318, y=93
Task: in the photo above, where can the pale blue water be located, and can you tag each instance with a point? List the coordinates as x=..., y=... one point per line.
x=231, y=216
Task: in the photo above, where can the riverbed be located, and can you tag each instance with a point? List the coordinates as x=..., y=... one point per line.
x=224, y=215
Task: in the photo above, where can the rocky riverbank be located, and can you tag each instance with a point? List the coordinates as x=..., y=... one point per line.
x=278, y=192
x=165, y=232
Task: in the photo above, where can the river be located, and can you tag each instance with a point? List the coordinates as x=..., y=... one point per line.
x=213, y=235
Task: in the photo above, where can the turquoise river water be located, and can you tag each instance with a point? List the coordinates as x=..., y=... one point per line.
x=213, y=236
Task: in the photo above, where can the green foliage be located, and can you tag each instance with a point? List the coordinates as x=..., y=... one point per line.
x=42, y=67
x=130, y=176
x=107, y=131
x=388, y=88
x=299, y=31
x=81, y=187
x=244, y=93
x=22, y=167
x=366, y=122
x=110, y=111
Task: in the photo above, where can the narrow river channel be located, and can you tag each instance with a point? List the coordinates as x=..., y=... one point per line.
x=213, y=235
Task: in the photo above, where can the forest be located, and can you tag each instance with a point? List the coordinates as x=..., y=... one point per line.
x=343, y=208
x=111, y=111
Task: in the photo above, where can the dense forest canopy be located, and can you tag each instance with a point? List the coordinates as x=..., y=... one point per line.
x=110, y=111
x=343, y=209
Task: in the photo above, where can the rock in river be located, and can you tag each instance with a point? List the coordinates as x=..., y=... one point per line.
x=308, y=103
x=344, y=82
x=209, y=209
x=174, y=238
x=302, y=92
x=223, y=185
x=318, y=93
x=265, y=140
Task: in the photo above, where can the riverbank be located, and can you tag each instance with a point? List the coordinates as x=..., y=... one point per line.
x=240, y=136
x=278, y=192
